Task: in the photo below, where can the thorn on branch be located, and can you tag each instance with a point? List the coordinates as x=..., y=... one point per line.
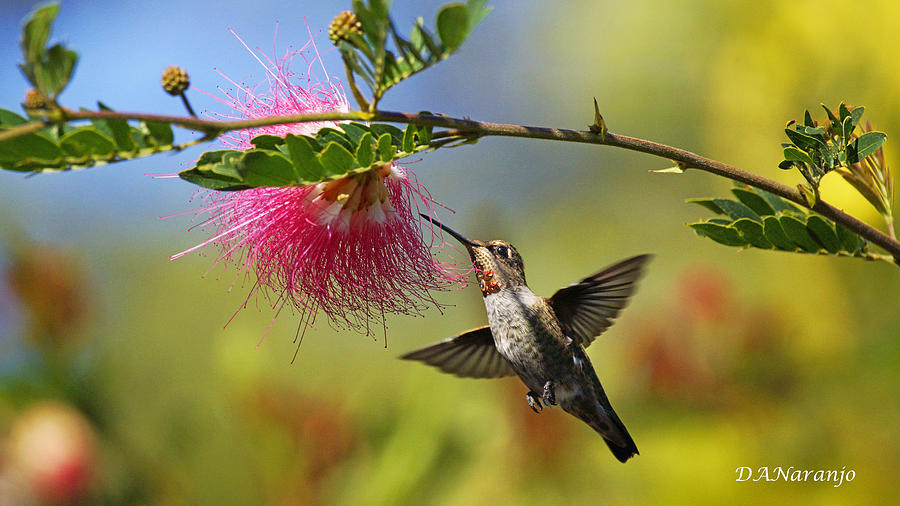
x=599, y=126
x=678, y=168
x=810, y=195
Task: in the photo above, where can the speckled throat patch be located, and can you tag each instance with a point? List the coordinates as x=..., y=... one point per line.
x=489, y=285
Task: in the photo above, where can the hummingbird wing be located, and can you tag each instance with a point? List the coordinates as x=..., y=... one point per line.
x=471, y=354
x=586, y=308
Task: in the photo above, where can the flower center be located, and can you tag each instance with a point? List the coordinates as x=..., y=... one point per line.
x=354, y=199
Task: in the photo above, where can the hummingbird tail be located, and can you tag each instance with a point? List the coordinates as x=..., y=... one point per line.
x=623, y=453
x=607, y=424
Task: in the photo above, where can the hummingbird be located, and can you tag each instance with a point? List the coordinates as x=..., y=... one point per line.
x=539, y=339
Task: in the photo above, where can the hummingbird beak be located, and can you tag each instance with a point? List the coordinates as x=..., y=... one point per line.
x=468, y=243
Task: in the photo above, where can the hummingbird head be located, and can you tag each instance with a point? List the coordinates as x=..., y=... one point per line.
x=497, y=263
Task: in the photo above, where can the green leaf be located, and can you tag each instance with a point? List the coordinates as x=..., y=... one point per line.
x=409, y=139
x=218, y=165
x=424, y=134
x=813, y=131
x=843, y=112
x=777, y=203
x=804, y=141
x=365, y=153
x=87, y=142
x=380, y=67
x=417, y=38
x=37, y=31
x=846, y=129
x=794, y=154
x=354, y=131
x=29, y=152
x=386, y=149
x=849, y=241
x=707, y=203
x=429, y=42
x=303, y=157
x=213, y=171
x=477, y=11
x=737, y=210
x=48, y=70
x=754, y=201
x=369, y=19
x=855, y=116
x=353, y=149
x=787, y=165
x=10, y=119
x=57, y=70
x=119, y=130
x=265, y=168
x=807, y=119
x=211, y=181
x=865, y=145
x=337, y=160
x=380, y=8
x=326, y=136
x=751, y=222
x=453, y=25
x=157, y=134
x=752, y=232
x=354, y=62
x=775, y=234
x=797, y=232
x=266, y=141
x=834, y=119
x=379, y=129
x=720, y=233
x=228, y=167
x=823, y=232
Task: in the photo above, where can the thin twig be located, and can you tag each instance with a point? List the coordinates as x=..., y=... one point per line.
x=20, y=130
x=218, y=127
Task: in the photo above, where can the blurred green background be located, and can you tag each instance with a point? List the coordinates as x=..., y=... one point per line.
x=725, y=359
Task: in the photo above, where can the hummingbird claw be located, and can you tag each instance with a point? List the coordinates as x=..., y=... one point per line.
x=549, y=395
x=534, y=402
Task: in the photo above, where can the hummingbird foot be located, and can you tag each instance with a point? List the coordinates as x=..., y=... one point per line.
x=549, y=395
x=534, y=402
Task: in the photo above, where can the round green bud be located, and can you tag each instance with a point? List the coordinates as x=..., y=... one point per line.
x=175, y=80
x=35, y=100
x=343, y=26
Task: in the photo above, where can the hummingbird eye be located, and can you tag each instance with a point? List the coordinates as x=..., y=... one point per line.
x=503, y=250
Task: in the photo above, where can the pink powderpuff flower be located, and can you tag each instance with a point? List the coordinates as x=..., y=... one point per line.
x=352, y=247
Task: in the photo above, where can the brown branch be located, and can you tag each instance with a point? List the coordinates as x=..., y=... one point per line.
x=685, y=158
x=474, y=129
x=215, y=126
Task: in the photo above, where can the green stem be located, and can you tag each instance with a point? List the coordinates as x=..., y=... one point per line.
x=474, y=129
x=23, y=129
x=351, y=82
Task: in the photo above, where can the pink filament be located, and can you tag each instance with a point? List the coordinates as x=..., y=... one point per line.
x=353, y=274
